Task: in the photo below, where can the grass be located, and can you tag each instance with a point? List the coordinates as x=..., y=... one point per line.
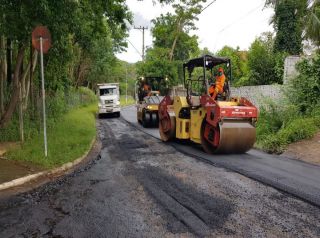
x=279, y=126
x=68, y=139
x=123, y=102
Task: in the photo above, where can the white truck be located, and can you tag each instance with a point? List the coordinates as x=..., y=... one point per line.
x=109, y=98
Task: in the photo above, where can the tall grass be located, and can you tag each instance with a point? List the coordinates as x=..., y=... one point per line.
x=68, y=138
x=124, y=102
x=280, y=125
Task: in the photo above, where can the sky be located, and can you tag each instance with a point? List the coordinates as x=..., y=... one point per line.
x=225, y=22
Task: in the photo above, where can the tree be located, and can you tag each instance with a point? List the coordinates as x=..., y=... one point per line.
x=304, y=90
x=158, y=64
x=313, y=22
x=74, y=25
x=288, y=24
x=164, y=35
x=263, y=62
x=172, y=43
x=186, y=13
x=239, y=62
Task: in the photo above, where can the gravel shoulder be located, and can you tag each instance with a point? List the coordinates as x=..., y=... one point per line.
x=140, y=187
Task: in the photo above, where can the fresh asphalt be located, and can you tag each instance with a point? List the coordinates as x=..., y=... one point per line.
x=289, y=175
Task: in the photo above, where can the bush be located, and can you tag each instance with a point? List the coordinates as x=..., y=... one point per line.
x=57, y=104
x=87, y=96
x=304, y=90
x=272, y=144
x=298, y=129
x=68, y=139
x=283, y=124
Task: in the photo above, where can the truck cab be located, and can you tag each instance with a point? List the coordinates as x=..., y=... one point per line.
x=109, y=99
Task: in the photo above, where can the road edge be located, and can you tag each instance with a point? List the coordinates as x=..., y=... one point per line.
x=50, y=172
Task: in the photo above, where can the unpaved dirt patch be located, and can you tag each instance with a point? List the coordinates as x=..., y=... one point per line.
x=10, y=170
x=5, y=146
x=305, y=150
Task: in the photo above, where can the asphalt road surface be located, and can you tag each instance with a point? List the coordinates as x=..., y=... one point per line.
x=140, y=187
x=293, y=176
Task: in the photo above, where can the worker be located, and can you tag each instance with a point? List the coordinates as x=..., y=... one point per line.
x=147, y=89
x=217, y=87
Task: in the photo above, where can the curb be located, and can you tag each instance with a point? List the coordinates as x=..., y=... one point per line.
x=64, y=167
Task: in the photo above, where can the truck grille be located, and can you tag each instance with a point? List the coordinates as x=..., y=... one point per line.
x=108, y=101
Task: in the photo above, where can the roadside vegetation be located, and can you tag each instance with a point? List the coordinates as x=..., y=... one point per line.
x=86, y=35
x=70, y=130
x=298, y=117
x=69, y=137
x=130, y=100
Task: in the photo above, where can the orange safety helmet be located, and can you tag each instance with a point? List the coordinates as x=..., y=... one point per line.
x=220, y=71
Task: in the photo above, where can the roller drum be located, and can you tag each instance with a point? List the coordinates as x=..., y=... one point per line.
x=236, y=136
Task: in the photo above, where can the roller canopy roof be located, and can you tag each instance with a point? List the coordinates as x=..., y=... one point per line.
x=211, y=61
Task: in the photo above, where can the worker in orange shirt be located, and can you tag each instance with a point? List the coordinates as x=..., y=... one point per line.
x=218, y=86
x=147, y=89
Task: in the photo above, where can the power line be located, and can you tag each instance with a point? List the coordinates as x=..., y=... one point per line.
x=236, y=21
x=134, y=47
x=241, y=18
x=207, y=6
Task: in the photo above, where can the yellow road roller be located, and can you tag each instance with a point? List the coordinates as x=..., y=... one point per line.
x=148, y=94
x=220, y=123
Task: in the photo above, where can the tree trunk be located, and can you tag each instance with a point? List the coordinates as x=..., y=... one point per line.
x=21, y=127
x=26, y=81
x=173, y=47
x=6, y=117
x=179, y=27
x=9, y=61
x=3, y=72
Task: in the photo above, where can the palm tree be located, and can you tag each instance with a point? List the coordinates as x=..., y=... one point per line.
x=312, y=30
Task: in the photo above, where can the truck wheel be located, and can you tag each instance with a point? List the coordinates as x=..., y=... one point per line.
x=154, y=119
x=145, y=119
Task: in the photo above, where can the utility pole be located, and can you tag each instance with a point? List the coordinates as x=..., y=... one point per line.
x=126, y=85
x=142, y=28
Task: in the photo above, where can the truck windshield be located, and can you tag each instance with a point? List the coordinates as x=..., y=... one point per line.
x=107, y=91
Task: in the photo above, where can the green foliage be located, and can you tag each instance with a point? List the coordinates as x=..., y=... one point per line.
x=239, y=63
x=271, y=144
x=298, y=129
x=130, y=100
x=157, y=63
x=315, y=114
x=56, y=107
x=163, y=34
x=172, y=42
x=280, y=125
x=266, y=67
x=300, y=118
x=288, y=23
x=304, y=90
x=68, y=139
x=85, y=36
x=313, y=22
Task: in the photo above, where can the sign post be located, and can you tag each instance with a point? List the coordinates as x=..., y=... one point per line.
x=126, y=85
x=41, y=41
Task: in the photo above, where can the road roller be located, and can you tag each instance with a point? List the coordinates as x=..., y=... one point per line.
x=219, y=122
x=149, y=91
